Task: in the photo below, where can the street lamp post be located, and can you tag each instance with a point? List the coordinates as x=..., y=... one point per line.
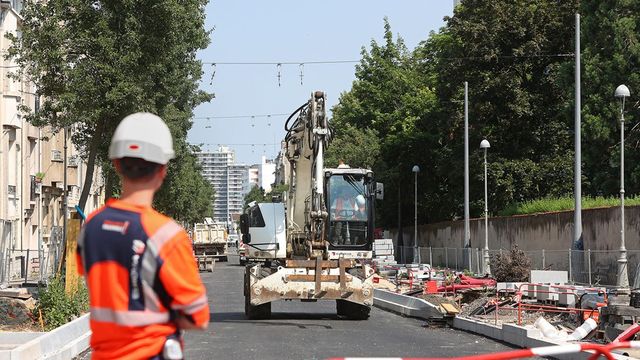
x=622, y=92
x=416, y=251
x=484, y=144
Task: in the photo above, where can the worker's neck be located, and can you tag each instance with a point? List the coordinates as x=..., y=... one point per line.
x=137, y=194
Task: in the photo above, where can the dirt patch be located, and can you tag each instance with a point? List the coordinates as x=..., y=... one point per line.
x=15, y=314
x=437, y=299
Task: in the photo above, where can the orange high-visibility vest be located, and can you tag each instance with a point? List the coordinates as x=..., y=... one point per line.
x=140, y=271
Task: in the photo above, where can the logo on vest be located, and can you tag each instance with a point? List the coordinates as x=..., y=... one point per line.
x=116, y=226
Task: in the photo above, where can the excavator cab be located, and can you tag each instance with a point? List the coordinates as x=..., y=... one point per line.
x=350, y=204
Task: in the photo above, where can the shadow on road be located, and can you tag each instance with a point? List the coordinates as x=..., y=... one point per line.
x=238, y=317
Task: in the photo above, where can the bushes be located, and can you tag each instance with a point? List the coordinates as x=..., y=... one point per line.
x=563, y=204
x=58, y=307
x=512, y=266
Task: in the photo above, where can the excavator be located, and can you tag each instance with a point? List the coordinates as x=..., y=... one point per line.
x=313, y=245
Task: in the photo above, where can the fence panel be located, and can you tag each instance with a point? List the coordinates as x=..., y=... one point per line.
x=594, y=267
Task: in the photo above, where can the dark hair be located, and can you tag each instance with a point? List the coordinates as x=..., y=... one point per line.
x=137, y=169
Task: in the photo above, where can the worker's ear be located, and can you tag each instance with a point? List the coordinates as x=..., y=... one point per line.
x=116, y=165
x=163, y=171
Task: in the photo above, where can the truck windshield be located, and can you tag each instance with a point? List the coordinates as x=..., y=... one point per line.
x=348, y=210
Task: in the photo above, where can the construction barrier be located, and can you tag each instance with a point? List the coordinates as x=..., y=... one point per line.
x=597, y=350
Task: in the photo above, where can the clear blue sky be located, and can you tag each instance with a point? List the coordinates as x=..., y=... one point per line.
x=290, y=31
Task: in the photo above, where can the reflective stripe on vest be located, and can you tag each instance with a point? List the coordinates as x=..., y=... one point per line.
x=128, y=318
x=150, y=262
x=192, y=308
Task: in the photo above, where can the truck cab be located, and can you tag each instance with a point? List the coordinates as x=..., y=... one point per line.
x=351, y=195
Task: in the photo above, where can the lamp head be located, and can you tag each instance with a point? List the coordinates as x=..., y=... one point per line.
x=622, y=92
x=484, y=144
x=416, y=169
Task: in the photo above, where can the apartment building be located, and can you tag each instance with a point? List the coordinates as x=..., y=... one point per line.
x=263, y=174
x=230, y=182
x=32, y=173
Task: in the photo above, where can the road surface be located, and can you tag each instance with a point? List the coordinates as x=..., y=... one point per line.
x=313, y=331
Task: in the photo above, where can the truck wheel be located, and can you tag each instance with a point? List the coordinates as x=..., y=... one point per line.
x=256, y=312
x=253, y=312
x=352, y=310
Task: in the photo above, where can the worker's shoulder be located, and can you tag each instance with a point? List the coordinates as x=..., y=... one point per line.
x=153, y=220
x=95, y=213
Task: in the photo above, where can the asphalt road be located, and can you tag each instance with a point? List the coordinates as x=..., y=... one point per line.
x=313, y=331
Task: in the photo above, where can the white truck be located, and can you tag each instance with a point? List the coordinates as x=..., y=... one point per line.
x=236, y=252
x=314, y=243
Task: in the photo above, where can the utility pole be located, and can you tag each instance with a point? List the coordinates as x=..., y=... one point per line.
x=577, y=169
x=467, y=232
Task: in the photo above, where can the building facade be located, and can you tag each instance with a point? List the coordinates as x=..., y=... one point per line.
x=32, y=181
x=263, y=175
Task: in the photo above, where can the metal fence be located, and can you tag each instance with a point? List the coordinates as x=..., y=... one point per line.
x=30, y=265
x=593, y=267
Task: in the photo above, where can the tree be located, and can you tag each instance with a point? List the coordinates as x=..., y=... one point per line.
x=513, y=54
x=185, y=195
x=95, y=62
x=356, y=147
x=611, y=56
x=386, y=114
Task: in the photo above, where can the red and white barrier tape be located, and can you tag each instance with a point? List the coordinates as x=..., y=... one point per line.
x=596, y=349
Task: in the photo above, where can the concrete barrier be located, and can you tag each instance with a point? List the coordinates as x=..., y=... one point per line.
x=519, y=336
x=62, y=343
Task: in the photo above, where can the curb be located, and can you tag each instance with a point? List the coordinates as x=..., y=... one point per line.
x=406, y=305
x=519, y=336
x=65, y=342
x=509, y=333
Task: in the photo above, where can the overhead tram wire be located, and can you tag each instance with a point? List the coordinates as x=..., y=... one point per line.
x=328, y=62
x=239, y=116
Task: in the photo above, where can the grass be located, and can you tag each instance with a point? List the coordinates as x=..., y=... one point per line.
x=563, y=204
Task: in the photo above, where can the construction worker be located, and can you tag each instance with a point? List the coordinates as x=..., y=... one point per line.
x=144, y=286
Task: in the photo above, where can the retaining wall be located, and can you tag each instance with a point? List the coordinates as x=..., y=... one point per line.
x=549, y=231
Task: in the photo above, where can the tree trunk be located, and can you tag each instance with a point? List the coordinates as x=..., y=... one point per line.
x=109, y=181
x=91, y=162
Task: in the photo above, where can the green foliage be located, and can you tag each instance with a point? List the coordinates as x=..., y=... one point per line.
x=95, y=62
x=58, y=307
x=564, y=204
x=611, y=57
x=356, y=147
x=185, y=195
x=517, y=58
x=277, y=191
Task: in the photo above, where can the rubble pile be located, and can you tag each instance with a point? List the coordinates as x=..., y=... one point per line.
x=16, y=306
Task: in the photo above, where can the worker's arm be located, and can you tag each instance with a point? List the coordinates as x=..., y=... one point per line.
x=179, y=276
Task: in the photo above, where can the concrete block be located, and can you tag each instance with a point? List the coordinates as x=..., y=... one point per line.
x=377, y=242
x=518, y=335
x=531, y=291
x=544, y=295
x=20, y=293
x=549, y=277
x=568, y=300
x=379, y=252
x=478, y=327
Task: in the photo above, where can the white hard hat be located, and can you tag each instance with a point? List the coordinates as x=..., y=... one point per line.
x=360, y=200
x=144, y=136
